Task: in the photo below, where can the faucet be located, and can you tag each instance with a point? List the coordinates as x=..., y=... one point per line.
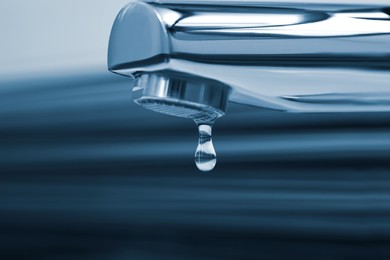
x=189, y=58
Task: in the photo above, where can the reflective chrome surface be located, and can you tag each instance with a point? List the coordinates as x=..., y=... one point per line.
x=310, y=56
x=198, y=99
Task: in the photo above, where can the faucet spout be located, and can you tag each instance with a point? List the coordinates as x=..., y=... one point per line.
x=198, y=99
x=311, y=57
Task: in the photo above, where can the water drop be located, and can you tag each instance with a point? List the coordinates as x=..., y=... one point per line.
x=205, y=156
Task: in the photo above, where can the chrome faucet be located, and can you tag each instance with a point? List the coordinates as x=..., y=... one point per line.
x=189, y=58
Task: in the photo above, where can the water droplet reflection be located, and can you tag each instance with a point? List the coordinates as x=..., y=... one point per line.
x=205, y=156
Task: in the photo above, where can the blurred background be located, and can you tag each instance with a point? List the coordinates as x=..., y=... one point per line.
x=87, y=174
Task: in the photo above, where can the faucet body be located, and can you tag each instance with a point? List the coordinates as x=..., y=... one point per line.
x=310, y=56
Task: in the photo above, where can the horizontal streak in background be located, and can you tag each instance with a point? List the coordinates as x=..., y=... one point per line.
x=86, y=174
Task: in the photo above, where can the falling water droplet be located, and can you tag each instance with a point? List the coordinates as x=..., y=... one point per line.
x=205, y=156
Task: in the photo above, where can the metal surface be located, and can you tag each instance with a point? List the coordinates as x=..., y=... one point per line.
x=296, y=56
x=200, y=100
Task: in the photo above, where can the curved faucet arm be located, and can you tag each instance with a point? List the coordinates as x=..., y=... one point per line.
x=314, y=56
